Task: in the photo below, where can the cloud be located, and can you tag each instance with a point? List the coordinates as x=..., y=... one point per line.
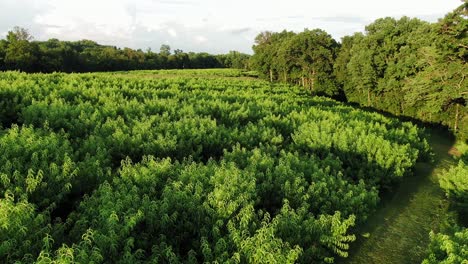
x=172, y=32
x=201, y=25
x=176, y=2
x=344, y=19
x=201, y=39
x=50, y=26
x=431, y=17
x=295, y=17
x=238, y=31
x=21, y=13
x=267, y=19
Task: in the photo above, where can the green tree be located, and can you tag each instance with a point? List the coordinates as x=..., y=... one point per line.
x=342, y=60
x=51, y=56
x=362, y=72
x=3, y=47
x=448, y=249
x=235, y=59
x=20, y=53
x=165, y=50
x=262, y=59
x=379, y=62
x=314, y=51
x=455, y=184
x=441, y=88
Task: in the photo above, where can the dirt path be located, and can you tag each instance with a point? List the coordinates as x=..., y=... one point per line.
x=398, y=232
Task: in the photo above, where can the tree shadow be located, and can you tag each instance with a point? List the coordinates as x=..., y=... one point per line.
x=399, y=228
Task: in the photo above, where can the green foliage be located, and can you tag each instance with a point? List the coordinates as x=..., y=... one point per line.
x=21, y=229
x=187, y=167
x=305, y=58
x=83, y=252
x=378, y=63
x=451, y=245
x=19, y=52
x=265, y=247
x=36, y=166
x=440, y=88
x=409, y=67
x=448, y=249
x=236, y=60
x=455, y=184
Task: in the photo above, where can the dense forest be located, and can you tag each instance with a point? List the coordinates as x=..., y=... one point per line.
x=404, y=66
x=19, y=52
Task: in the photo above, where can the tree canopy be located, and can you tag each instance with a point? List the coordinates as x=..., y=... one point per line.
x=304, y=58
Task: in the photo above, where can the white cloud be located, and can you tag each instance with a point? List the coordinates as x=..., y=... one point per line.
x=200, y=39
x=172, y=32
x=214, y=26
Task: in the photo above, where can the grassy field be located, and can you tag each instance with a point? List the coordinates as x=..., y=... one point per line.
x=398, y=232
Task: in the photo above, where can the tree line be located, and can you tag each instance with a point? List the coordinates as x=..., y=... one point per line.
x=404, y=66
x=18, y=51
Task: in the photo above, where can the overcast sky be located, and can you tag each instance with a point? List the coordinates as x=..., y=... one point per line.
x=214, y=26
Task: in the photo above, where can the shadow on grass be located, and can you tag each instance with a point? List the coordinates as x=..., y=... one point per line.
x=398, y=232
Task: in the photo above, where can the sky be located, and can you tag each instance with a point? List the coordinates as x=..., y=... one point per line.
x=214, y=26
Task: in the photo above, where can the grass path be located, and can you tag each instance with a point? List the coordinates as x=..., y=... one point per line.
x=399, y=229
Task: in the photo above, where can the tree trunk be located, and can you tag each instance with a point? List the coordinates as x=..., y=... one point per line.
x=303, y=84
x=368, y=97
x=312, y=82
x=271, y=75
x=455, y=126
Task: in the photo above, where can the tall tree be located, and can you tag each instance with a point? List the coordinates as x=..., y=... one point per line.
x=305, y=58
x=380, y=61
x=441, y=88
x=343, y=58
x=3, y=47
x=262, y=58
x=315, y=53
x=235, y=59
x=20, y=52
x=51, y=55
x=362, y=72
x=165, y=50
